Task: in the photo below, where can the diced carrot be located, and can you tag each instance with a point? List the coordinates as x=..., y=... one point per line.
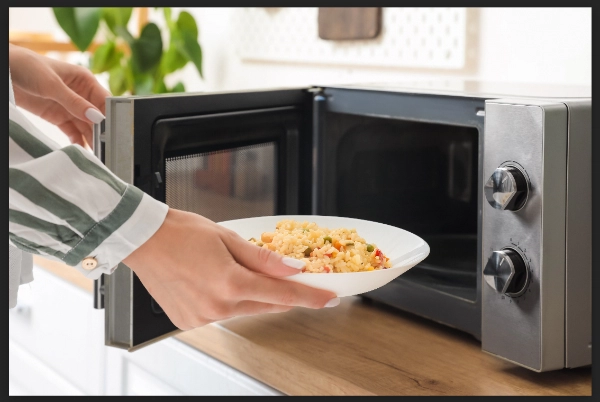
x=267, y=237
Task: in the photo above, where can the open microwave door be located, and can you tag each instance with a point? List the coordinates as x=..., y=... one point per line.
x=222, y=155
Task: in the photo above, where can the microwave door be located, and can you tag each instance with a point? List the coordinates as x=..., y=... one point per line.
x=222, y=155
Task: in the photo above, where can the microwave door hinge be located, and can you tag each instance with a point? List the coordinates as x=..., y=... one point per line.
x=99, y=137
x=99, y=293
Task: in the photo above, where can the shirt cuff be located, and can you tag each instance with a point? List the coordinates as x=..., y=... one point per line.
x=142, y=223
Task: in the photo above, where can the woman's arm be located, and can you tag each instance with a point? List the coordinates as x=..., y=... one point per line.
x=66, y=205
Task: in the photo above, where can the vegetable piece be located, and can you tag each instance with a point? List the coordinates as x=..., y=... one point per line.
x=308, y=251
x=327, y=239
x=267, y=237
x=370, y=248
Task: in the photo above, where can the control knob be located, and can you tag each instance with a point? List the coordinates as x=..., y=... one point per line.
x=506, y=272
x=506, y=189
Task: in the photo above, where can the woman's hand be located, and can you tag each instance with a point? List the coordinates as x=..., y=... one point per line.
x=200, y=272
x=64, y=94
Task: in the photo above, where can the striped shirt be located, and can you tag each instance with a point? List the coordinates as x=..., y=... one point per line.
x=65, y=205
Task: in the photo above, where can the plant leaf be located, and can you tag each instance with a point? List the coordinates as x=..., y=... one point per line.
x=167, y=14
x=79, y=23
x=178, y=87
x=160, y=87
x=172, y=60
x=146, y=51
x=105, y=57
x=143, y=84
x=124, y=33
x=187, y=23
x=192, y=50
x=117, y=81
x=116, y=17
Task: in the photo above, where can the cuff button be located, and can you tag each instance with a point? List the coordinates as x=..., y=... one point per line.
x=89, y=263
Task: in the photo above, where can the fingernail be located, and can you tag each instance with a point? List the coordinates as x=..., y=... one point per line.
x=333, y=302
x=94, y=116
x=293, y=263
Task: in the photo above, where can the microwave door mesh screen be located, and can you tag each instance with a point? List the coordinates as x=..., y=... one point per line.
x=229, y=184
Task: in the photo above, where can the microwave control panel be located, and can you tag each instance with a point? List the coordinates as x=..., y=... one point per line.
x=523, y=232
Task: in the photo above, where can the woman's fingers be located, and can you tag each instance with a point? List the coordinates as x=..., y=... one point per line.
x=249, y=307
x=77, y=105
x=270, y=290
x=77, y=130
x=260, y=259
x=56, y=88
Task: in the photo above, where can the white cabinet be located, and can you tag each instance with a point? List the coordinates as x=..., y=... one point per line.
x=56, y=347
x=170, y=367
x=54, y=329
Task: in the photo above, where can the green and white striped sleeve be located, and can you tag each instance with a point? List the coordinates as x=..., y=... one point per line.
x=65, y=205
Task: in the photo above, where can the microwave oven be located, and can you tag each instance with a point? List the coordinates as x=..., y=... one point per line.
x=496, y=179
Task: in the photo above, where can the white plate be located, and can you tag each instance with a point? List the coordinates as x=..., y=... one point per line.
x=404, y=249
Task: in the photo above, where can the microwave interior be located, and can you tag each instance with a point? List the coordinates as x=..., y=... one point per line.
x=418, y=176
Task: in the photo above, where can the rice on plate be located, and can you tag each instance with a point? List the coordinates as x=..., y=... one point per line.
x=323, y=250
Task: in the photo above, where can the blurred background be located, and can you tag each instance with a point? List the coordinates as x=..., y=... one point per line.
x=246, y=48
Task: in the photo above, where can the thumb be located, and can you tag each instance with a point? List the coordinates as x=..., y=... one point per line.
x=260, y=259
x=76, y=105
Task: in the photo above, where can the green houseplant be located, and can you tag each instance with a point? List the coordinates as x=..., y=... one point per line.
x=135, y=65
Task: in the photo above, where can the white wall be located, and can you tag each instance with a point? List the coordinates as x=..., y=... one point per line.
x=536, y=45
x=541, y=45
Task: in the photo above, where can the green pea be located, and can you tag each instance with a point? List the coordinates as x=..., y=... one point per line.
x=370, y=248
x=308, y=251
x=327, y=239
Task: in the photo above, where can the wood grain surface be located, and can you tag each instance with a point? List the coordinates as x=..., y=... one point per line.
x=363, y=348
x=66, y=272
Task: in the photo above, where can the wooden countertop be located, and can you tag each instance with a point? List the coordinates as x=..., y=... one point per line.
x=361, y=349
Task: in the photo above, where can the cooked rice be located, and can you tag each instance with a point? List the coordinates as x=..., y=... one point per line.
x=322, y=249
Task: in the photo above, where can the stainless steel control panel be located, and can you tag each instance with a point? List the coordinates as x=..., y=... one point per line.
x=523, y=232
